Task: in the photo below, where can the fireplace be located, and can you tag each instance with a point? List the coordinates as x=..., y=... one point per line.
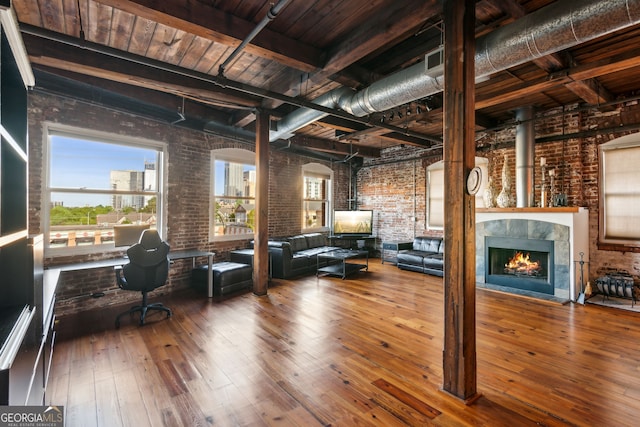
x=520, y=263
x=564, y=230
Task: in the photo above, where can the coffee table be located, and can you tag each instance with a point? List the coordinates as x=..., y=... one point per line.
x=341, y=268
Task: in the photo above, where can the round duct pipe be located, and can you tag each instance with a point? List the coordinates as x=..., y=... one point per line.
x=525, y=149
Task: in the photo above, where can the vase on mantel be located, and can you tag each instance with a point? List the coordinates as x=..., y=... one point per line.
x=504, y=199
x=489, y=195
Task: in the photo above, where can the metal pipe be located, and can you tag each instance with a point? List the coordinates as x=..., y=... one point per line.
x=270, y=16
x=525, y=141
x=218, y=81
x=556, y=27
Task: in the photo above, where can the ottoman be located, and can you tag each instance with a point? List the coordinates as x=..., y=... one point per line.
x=228, y=277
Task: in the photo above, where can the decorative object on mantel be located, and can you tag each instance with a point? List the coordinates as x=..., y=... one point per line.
x=489, y=195
x=504, y=199
x=543, y=185
x=552, y=186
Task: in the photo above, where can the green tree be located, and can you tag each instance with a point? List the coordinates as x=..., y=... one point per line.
x=251, y=219
x=151, y=206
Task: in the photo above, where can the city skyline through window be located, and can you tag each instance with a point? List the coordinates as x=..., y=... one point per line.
x=95, y=182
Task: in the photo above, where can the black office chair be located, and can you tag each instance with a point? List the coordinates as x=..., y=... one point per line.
x=148, y=269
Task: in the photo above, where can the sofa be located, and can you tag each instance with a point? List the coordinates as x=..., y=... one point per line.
x=297, y=255
x=426, y=256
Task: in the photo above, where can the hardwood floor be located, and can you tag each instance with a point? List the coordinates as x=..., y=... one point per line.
x=357, y=352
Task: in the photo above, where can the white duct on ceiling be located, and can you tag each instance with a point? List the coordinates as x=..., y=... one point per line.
x=559, y=26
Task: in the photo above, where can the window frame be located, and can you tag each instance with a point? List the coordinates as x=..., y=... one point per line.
x=235, y=155
x=627, y=143
x=317, y=170
x=83, y=134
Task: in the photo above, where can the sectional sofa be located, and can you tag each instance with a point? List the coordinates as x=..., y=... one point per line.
x=297, y=255
x=426, y=256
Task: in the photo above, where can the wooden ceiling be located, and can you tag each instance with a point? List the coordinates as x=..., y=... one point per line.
x=172, y=59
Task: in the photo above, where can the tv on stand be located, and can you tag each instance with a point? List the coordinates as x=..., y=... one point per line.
x=352, y=223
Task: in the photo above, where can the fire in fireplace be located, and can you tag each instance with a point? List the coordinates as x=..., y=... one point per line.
x=520, y=263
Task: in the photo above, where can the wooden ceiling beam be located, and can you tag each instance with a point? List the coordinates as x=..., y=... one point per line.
x=217, y=26
x=575, y=74
x=380, y=31
x=327, y=146
x=56, y=55
x=591, y=91
x=136, y=94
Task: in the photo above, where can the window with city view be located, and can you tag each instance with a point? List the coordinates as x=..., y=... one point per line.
x=234, y=191
x=316, y=197
x=96, y=182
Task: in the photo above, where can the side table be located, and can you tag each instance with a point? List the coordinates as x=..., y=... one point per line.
x=396, y=246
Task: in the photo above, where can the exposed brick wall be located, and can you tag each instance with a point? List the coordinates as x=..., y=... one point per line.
x=187, y=194
x=394, y=185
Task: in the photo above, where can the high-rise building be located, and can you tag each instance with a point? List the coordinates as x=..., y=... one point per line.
x=233, y=177
x=249, y=180
x=129, y=181
x=150, y=180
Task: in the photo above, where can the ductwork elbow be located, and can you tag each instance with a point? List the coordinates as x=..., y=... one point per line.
x=303, y=116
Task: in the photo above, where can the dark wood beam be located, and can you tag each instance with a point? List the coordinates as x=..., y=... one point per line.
x=61, y=56
x=217, y=26
x=341, y=148
x=581, y=72
x=136, y=95
x=589, y=90
x=459, y=355
x=261, y=241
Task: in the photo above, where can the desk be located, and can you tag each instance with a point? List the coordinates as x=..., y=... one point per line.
x=175, y=255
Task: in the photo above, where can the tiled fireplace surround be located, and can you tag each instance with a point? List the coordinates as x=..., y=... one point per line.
x=567, y=227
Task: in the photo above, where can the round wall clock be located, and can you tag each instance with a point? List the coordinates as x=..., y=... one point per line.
x=474, y=180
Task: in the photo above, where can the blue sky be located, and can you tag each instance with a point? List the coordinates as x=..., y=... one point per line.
x=77, y=163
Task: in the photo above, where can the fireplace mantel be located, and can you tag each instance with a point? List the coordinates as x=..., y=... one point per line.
x=570, y=209
x=570, y=244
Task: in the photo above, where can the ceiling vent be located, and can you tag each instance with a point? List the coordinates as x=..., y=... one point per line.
x=434, y=59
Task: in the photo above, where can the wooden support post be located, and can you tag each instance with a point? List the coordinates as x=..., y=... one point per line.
x=459, y=355
x=260, y=247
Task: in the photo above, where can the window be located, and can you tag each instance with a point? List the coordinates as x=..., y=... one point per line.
x=234, y=192
x=435, y=192
x=96, y=181
x=316, y=197
x=619, y=212
x=435, y=196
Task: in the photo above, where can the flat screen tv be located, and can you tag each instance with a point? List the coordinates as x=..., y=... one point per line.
x=353, y=223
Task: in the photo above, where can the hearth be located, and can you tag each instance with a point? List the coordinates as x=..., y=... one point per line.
x=520, y=263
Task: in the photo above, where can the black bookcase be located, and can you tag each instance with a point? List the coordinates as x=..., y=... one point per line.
x=25, y=336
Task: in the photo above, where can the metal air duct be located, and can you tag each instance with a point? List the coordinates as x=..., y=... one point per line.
x=559, y=26
x=525, y=148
